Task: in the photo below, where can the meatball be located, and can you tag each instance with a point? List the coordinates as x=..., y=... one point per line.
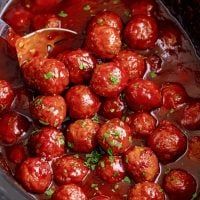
x=48, y=76
x=115, y=137
x=144, y=7
x=168, y=142
x=143, y=95
x=107, y=18
x=82, y=102
x=49, y=110
x=179, y=184
x=190, y=118
x=16, y=154
x=113, y=108
x=69, y=169
x=148, y=191
x=142, y=164
x=12, y=126
x=108, y=79
x=174, y=95
x=34, y=175
x=47, y=142
x=81, y=135
x=194, y=148
x=111, y=169
x=69, y=192
x=80, y=64
x=101, y=198
x=19, y=19
x=132, y=62
x=46, y=4
x=142, y=124
x=104, y=41
x=141, y=32
x=6, y=95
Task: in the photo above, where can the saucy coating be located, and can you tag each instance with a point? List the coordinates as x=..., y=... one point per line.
x=49, y=110
x=168, y=142
x=144, y=7
x=82, y=102
x=107, y=18
x=190, y=118
x=143, y=95
x=111, y=169
x=47, y=143
x=194, y=148
x=108, y=79
x=48, y=76
x=142, y=124
x=115, y=137
x=104, y=41
x=47, y=3
x=16, y=153
x=173, y=95
x=101, y=197
x=142, y=164
x=81, y=135
x=69, y=169
x=80, y=64
x=113, y=108
x=12, y=126
x=6, y=95
x=132, y=62
x=34, y=175
x=147, y=191
x=179, y=184
x=69, y=192
x=141, y=32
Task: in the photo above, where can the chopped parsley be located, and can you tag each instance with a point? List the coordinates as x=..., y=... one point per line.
x=62, y=14
x=114, y=79
x=94, y=186
x=86, y=7
x=152, y=74
x=70, y=145
x=127, y=13
x=48, y=75
x=127, y=179
x=49, y=193
x=92, y=159
x=61, y=140
x=38, y=101
x=95, y=118
x=82, y=66
x=110, y=152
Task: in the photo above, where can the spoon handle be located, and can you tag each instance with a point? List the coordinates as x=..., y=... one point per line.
x=4, y=28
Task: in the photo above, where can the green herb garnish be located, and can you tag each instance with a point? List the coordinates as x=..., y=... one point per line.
x=114, y=79
x=92, y=159
x=62, y=14
x=48, y=75
x=127, y=179
x=70, y=145
x=152, y=74
x=49, y=193
x=86, y=7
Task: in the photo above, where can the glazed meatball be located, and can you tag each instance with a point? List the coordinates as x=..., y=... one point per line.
x=16, y=154
x=148, y=191
x=179, y=184
x=173, y=95
x=168, y=142
x=194, y=148
x=69, y=192
x=81, y=135
x=34, y=175
x=49, y=110
x=115, y=137
x=141, y=32
x=142, y=164
x=108, y=79
x=12, y=126
x=104, y=41
x=80, y=64
x=190, y=118
x=47, y=142
x=100, y=198
x=113, y=108
x=48, y=76
x=6, y=95
x=143, y=7
x=82, y=102
x=132, y=62
x=19, y=19
x=143, y=95
x=107, y=18
x=111, y=169
x=69, y=169
x=142, y=124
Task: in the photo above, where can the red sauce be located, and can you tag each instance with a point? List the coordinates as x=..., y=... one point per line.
x=179, y=64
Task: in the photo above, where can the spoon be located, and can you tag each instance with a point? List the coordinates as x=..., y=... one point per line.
x=36, y=44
